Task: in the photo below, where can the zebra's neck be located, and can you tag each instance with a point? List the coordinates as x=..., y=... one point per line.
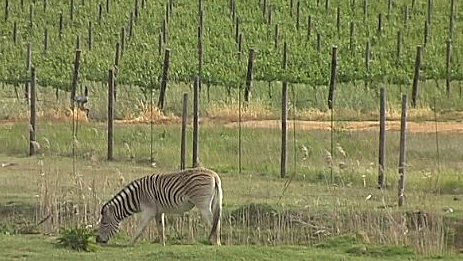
x=127, y=201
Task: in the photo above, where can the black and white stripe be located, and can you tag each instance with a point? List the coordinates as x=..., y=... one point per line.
x=154, y=195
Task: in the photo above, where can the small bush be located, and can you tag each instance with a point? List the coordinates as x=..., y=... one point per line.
x=78, y=239
x=7, y=229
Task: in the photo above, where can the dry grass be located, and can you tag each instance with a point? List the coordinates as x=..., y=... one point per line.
x=230, y=112
x=64, y=115
x=148, y=114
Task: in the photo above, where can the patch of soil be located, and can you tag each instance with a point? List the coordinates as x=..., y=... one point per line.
x=414, y=127
x=392, y=125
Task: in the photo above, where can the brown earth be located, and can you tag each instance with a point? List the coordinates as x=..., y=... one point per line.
x=416, y=127
x=393, y=125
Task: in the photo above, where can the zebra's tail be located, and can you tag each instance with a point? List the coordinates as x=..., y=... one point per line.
x=216, y=210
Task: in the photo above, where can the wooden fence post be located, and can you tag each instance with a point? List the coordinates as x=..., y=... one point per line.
x=111, y=115
x=28, y=68
x=448, y=66
x=249, y=76
x=416, y=78
x=6, y=9
x=75, y=77
x=403, y=150
x=382, y=140
x=284, y=117
x=332, y=101
x=71, y=10
x=90, y=35
x=117, y=59
x=61, y=26
x=165, y=74
x=196, y=123
x=183, y=141
x=33, y=114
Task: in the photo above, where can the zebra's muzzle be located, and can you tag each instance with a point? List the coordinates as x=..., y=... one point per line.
x=100, y=241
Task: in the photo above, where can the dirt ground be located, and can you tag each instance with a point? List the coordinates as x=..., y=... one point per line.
x=416, y=127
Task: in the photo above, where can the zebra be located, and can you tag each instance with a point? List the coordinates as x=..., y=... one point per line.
x=154, y=195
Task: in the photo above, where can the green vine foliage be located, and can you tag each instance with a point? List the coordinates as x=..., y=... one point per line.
x=141, y=61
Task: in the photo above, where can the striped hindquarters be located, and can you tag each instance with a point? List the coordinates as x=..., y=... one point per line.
x=177, y=191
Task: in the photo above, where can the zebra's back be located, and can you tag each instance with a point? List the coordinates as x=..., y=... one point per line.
x=177, y=192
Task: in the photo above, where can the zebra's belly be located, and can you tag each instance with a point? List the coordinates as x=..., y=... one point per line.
x=178, y=209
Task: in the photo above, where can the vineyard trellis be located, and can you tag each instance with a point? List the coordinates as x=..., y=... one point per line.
x=390, y=57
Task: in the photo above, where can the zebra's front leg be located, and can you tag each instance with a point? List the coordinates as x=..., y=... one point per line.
x=146, y=218
x=161, y=228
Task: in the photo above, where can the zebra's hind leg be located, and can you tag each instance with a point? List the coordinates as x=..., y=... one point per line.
x=146, y=218
x=161, y=228
x=207, y=215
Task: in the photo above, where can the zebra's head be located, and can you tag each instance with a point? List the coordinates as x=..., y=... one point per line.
x=109, y=224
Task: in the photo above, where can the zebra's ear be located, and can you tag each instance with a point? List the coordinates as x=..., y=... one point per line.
x=110, y=208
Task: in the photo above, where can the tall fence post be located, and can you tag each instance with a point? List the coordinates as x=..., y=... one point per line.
x=196, y=123
x=249, y=76
x=284, y=117
x=184, y=122
x=33, y=114
x=200, y=43
x=403, y=150
x=240, y=141
x=448, y=66
x=28, y=68
x=332, y=100
x=75, y=77
x=111, y=114
x=61, y=26
x=6, y=9
x=416, y=77
x=165, y=74
x=382, y=140
x=117, y=59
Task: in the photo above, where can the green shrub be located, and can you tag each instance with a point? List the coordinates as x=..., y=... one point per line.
x=7, y=229
x=78, y=239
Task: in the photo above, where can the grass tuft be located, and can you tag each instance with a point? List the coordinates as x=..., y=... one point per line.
x=77, y=238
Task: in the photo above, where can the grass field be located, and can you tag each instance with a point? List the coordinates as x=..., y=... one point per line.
x=42, y=248
x=313, y=219
x=257, y=223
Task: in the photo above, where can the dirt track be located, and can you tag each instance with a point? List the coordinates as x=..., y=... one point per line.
x=416, y=127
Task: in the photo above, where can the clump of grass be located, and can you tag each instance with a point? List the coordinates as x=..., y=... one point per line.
x=8, y=229
x=230, y=111
x=64, y=114
x=147, y=113
x=254, y=214
x=77, y=238
x=451, y=186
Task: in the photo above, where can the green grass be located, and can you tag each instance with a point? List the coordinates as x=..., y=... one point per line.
x=43, y=248
x=260, y=148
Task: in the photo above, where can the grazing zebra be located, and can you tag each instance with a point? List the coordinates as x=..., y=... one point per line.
x=154, y=195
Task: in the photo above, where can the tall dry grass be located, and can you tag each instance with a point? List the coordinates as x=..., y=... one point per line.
x=78, y=203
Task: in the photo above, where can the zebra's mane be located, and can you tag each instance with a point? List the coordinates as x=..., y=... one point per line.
x=124, y=190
